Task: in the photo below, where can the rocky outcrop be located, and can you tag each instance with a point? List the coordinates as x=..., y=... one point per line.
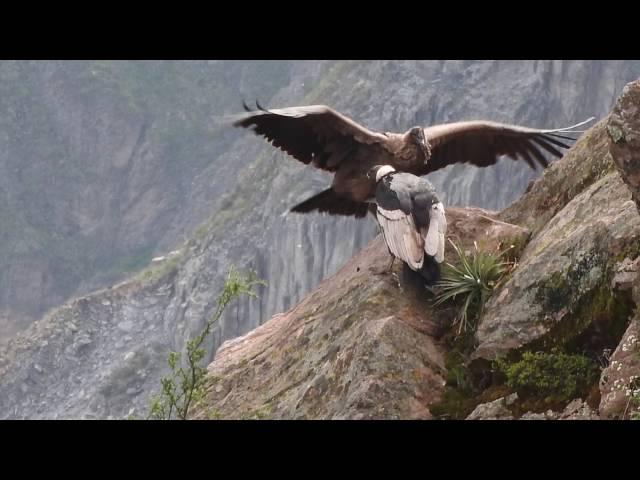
x=578, y=240
x=95, y=357
x=245, y=188
x=105, y=166
x=584, y=225
x=496, y=410
x=98, y=164
x=360, y=346
x=355, y=348
x=620, y=381
x=624, y=129
x=575, y=410
x=500, y=410
x=369, y=93
x=563, y=280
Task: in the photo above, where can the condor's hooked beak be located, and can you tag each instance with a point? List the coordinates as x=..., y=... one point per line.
x=371, y=174
x=424, y=146
x=426, y=151
x=417, y=133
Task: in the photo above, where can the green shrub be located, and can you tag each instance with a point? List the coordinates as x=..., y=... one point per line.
x=185, y=386
x=555, y=374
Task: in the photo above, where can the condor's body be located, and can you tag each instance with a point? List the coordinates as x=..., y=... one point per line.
x=411, y=218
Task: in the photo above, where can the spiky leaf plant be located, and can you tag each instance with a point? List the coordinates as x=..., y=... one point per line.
x=472, y=280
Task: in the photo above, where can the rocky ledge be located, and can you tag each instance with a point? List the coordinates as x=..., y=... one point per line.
x=368, y=346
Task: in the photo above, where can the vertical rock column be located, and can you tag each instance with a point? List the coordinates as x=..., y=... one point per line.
x=624, y=130
x=621, y=378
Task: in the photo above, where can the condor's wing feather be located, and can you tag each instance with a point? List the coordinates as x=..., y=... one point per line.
x=314, y=134
x=482, y=143
x=434, y=241
x=401, y=236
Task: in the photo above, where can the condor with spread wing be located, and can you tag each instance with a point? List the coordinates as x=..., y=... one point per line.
x=319, y=136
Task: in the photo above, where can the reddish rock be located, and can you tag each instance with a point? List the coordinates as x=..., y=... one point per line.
x=360, y=346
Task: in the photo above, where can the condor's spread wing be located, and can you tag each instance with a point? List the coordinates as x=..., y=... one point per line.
x=482, y=143
x=314, y=134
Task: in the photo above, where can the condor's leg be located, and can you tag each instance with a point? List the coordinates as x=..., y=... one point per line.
x=384, y=270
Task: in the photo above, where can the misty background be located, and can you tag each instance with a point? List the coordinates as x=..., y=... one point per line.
x=105, y=165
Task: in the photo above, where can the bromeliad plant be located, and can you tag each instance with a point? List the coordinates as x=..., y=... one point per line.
x=472, y=280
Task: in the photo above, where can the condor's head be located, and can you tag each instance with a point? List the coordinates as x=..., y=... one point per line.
x=416, y=134
x=378, y=171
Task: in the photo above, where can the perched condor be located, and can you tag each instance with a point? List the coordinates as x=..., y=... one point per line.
x=328, y=140
x=412, y=220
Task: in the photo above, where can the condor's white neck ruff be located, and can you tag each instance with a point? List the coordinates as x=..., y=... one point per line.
x=382, y=171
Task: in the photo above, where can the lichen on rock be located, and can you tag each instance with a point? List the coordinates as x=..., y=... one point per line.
x=623, y=128
x=562, y=283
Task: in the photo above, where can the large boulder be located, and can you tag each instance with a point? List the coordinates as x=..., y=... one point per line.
x=624, y=129
x=496, y=410
x=620, y=381
x=621, y=378
x=372, y=346
x=584, y=227
x=360, y=346
x=562, y=286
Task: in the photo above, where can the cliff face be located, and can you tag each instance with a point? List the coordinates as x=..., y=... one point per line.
x=391, y=95
x=360, y=346
x=105, y=165
x=98, y=161
x=620, y=381
x=567, y=267
x=109, y=346
x=367, y=346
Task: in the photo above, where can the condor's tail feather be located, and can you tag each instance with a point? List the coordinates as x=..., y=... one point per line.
x=428, y=275
x=328, y=201
x=430, y=270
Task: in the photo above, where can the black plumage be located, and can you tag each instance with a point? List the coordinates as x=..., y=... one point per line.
x=411, y=218
x=319, y=136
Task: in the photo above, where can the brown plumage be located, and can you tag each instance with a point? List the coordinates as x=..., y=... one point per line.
x=322, y=137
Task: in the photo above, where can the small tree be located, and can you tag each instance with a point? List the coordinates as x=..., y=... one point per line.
x=185, y=386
